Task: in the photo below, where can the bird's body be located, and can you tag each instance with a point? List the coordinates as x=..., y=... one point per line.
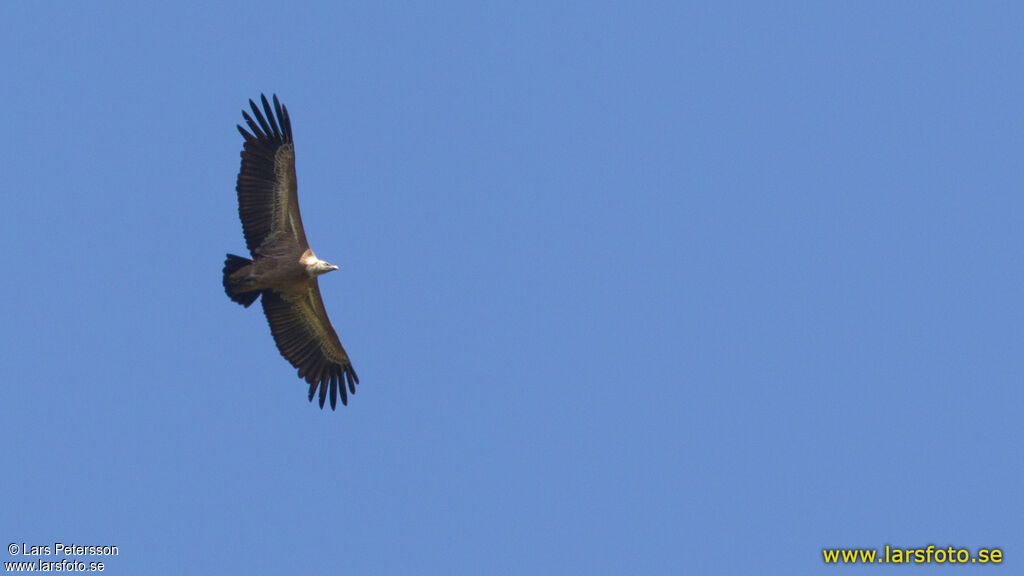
x=284, y=269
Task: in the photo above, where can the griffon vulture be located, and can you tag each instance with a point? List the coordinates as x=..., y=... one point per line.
x=283, y=268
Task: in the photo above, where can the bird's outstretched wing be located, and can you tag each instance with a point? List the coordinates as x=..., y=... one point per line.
x=305, y=337
x=268, y=202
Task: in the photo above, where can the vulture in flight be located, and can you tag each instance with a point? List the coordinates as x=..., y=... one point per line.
x=283, y=269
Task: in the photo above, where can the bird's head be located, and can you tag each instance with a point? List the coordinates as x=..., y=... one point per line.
x=321, y=267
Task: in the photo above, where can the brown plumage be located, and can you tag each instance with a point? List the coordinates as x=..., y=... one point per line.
x=283, y=268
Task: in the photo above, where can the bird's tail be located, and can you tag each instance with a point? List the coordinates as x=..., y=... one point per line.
x=231, y=287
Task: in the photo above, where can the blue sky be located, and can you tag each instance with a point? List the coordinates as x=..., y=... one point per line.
x=659, y=288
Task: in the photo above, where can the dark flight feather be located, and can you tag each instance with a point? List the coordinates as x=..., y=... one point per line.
x=296, y=331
